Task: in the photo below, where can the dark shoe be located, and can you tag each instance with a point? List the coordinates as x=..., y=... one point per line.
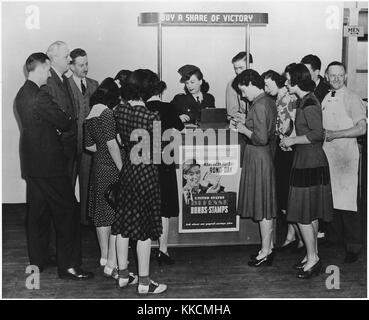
x=75, y=274
x=351, y=257
x=313, y=271
x=267, y=260
x=164, y=259
x=254, y=255
x=290, y=246
x=299, y=265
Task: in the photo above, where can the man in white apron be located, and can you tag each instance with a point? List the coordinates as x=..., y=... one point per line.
x=344, y=119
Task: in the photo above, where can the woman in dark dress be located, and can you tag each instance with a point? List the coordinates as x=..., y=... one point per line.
x=138, y=202
x=167, y=172
x=189, y=105
x=275, y=86
x=257, y=196
x=100, y=137
x=310, y=195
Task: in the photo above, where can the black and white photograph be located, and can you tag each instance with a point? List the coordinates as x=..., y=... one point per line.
x=184, y=150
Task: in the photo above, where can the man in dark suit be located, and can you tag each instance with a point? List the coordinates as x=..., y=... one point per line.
x=313, y=63
x=44, y=167
x=59, y=89
x=82, y=89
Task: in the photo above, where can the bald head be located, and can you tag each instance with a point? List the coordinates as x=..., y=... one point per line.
x=58, y=52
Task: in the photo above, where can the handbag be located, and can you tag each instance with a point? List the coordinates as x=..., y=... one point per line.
x=111, y=194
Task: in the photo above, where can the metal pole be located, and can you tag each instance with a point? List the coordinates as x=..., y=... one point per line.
x=248, y=46
x=160, y=48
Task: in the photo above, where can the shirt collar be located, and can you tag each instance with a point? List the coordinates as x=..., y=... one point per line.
x=339, y=91
x=78, y=81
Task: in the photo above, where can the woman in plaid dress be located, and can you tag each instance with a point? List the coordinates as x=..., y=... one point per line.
x=139, y=205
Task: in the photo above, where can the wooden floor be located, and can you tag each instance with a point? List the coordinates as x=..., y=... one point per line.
x=202, y=272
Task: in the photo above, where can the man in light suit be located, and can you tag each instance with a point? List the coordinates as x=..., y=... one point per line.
x=59, y=89
x=235, y=104
x=82, y=89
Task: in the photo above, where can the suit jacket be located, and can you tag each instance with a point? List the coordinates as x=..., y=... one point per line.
x=82, y=104
x=62, y=96
x=234, y=102
x=186, y=104
x=41, y=120
x=322, y=89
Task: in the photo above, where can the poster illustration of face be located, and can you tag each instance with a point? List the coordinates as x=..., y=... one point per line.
x=208, y=187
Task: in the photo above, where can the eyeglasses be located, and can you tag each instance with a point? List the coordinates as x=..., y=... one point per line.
x=336, y=76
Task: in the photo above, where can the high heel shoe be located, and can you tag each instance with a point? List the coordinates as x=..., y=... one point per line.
x=313, y=271
x=164, y=259
x=267, y=260
x=299, y=265
x=254, y=255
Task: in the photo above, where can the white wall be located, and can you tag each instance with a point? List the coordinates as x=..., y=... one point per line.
x=110, y=34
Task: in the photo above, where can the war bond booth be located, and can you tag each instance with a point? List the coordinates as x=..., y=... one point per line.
x=207, y=219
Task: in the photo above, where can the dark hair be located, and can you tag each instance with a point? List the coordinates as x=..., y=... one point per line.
x=336, y=63
x=313, y=60
x=301, y=77
x=74, y=54
x=288, y=68
x=142, y=84
x=275, y=76
x=34, y=60
x=107, y=93
x=242, y=56
x=246, y=77
x=204, y=86
x=122, y=77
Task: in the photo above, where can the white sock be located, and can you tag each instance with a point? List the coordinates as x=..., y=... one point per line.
x=103, y=262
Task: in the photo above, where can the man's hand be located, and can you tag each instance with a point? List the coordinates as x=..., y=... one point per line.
x=330, y=135
x=184, y=118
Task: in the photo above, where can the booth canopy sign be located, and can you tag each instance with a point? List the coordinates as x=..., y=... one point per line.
x=201, y=18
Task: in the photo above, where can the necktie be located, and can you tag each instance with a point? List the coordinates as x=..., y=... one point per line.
x=83, y=87
x=333, y=93
x=198, y=100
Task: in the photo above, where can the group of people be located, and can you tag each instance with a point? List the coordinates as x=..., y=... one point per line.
x=300, y=157
x=73, y=126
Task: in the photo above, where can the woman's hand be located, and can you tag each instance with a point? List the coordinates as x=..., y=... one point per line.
x=241, y=128
x=184, y=118
x=287, y=142
x=240, y=117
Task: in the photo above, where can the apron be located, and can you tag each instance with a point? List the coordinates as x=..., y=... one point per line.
x=342, y=154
